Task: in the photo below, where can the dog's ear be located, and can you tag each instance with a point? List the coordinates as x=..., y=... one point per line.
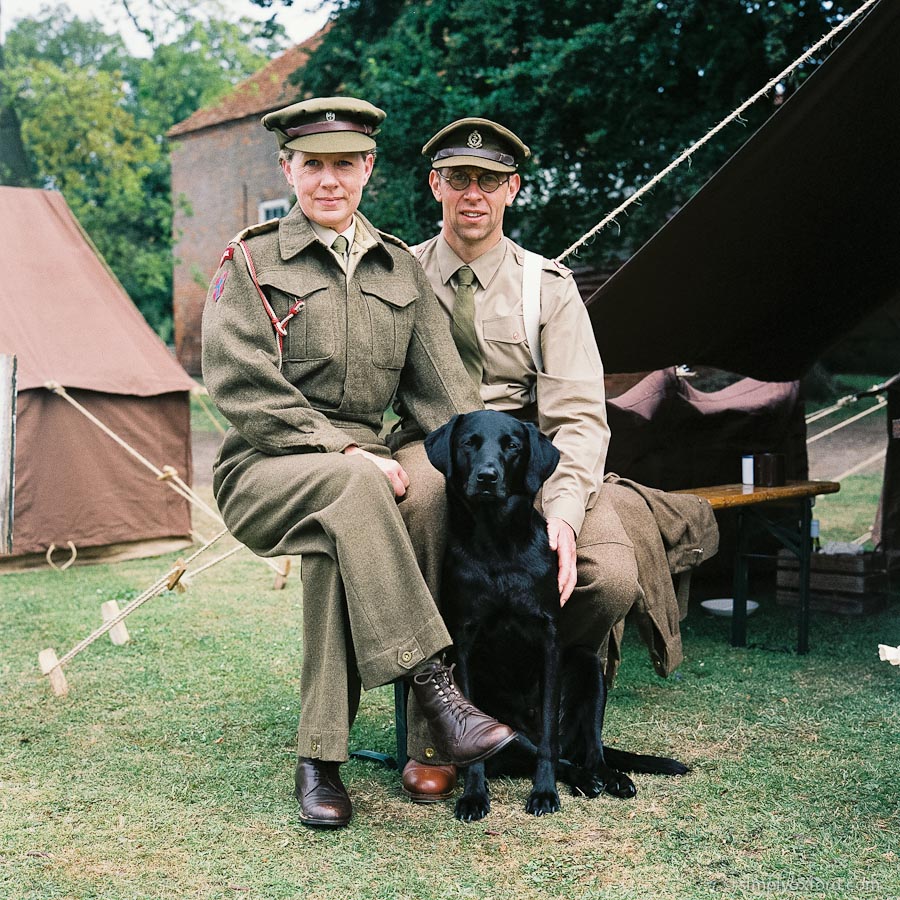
x=542, y=459
x=439, y=447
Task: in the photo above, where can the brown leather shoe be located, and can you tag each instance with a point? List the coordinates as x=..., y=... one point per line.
x=428, y=784
x=324, y=801
x=461, y=732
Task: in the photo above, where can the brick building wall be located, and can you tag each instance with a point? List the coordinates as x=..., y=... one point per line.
x=220, y=176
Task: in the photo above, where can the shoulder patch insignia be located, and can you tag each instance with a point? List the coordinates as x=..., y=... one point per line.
x=219, y=286
x=227, y=255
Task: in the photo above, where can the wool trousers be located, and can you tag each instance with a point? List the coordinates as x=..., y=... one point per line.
x=606, y=589
x=368, y=616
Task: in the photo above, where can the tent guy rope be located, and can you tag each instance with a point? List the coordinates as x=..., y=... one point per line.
x=166, y=474
x=866, y=412
x=202, y=396
x=52, y=667
x=689, y=152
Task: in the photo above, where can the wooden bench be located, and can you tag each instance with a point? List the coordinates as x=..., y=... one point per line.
x=752, y=504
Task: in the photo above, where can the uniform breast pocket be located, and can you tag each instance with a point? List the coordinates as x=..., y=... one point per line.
x=392, y=313
x=311, y=331
x=506, y=354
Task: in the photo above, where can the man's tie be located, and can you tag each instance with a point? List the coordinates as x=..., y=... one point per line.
x=463, y=329
x=340, y=245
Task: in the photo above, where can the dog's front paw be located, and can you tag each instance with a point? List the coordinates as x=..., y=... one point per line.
x=472, y=807
x=617, y=783
x=586, y=784
x=542, y=802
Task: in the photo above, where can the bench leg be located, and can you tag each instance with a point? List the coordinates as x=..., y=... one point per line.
x=741, y=584
x=401, y=694
x=804, y=552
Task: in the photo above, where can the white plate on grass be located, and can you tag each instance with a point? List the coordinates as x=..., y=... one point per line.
x=723, y=606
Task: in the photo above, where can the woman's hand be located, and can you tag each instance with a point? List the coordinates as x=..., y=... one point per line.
x=394, y=472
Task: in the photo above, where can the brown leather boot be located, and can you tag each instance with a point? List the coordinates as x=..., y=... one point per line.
x=324, y=801
x=461, y=732
x=428, y=784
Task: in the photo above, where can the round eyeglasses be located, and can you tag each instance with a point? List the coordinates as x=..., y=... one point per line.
x=487, y=181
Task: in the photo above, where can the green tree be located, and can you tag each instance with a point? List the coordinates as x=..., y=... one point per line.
x=93, y=122
x=606, y=93
x=85, y=144
x=197, y=67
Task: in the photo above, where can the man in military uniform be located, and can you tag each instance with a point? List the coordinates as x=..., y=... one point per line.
x=552, y=377
x=312, y=324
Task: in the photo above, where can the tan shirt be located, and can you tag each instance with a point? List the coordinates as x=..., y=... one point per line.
x=571, y=401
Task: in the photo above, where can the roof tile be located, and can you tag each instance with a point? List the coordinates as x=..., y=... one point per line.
x=268, y=89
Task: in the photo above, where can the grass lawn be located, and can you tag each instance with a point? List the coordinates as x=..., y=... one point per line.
x=167, y=771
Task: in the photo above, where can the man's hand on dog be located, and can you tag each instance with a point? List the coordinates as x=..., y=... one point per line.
x=394, y=472
x=562, y=540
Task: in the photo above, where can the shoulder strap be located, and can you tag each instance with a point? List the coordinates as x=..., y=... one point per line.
x=531, y=305
x=393, y=239
x=257, y=228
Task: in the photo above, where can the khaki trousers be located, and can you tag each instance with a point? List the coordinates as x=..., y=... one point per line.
x=368, y=617
x=606, y=590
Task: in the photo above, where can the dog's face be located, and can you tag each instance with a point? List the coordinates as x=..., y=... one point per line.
x=489, y=456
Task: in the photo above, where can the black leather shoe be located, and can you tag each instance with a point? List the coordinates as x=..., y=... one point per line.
x=461, y=732
x=324, y=801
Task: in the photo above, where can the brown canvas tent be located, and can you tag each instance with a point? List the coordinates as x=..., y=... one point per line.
x=68, y=320
x=668, y=434
x=791, y=243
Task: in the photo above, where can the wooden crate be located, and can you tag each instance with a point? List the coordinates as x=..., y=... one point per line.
x=841, y=582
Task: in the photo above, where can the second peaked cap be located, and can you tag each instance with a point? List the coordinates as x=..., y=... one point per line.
x=476, y=142
x=326, y=125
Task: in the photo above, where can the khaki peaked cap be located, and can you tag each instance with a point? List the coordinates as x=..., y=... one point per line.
x=326, y=125
x=476, y=142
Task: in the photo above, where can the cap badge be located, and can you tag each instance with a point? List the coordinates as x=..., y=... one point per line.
x=474, y=140
x=329, y=117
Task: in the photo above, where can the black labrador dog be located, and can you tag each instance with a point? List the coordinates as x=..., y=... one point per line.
x=501, y=604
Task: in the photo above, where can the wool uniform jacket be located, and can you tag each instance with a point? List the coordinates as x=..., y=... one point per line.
x=349, y=347
x=672, y=533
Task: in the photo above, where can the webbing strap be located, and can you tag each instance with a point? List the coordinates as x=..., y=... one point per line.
x=531, y=306
x=278, y=324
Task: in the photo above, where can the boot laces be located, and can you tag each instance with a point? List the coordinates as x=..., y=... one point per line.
x=442, y=681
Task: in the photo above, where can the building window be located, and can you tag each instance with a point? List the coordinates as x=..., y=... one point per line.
x=273, y=209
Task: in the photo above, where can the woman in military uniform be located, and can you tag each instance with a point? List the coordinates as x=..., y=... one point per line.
x=312, y=324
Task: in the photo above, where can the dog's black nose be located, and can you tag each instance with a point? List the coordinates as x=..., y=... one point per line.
x=487, y=475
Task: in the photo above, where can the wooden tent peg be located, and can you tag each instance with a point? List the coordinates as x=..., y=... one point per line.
x=174, y=582
x=118, y=634
x=50, y=667
x=282, y=576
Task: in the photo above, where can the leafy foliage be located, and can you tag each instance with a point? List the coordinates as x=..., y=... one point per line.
x=606, y=93
x=93, y=122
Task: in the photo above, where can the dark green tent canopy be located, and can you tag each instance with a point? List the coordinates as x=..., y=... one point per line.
x=791, y=243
